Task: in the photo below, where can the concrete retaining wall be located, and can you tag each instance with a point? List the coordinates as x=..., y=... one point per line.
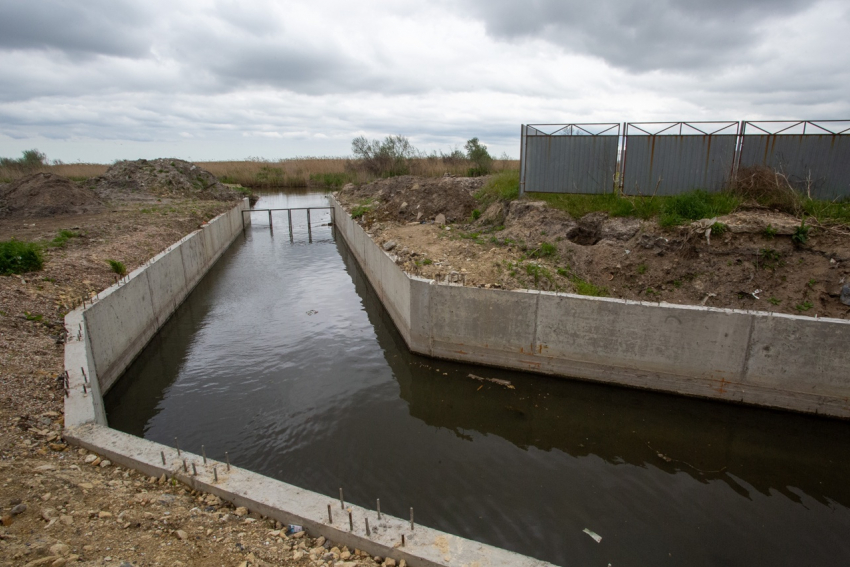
x=778, y=361
x=106, y=336
x=127, y=315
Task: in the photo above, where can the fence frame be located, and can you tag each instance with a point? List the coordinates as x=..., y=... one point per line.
x=575, y=129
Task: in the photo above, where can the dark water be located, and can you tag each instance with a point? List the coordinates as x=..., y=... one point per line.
x=333, y=398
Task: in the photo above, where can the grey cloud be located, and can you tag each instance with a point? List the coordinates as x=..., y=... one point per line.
x=638, y=35
x=105, y=27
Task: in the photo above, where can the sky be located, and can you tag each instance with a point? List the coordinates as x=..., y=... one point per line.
x=102, y=80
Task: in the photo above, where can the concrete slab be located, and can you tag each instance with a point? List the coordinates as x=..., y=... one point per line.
x=167, y=280
x=292, y=505
x=120, y=325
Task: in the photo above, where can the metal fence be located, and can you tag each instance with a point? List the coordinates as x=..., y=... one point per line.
x=668, y=158
x=574, y=158
x=813, y=155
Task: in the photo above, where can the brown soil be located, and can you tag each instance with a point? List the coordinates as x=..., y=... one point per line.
x=148, y=179
x=528, y=245
x=46, y=194
x=93, y=513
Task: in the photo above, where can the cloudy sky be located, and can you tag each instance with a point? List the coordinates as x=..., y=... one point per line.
x=99, y=80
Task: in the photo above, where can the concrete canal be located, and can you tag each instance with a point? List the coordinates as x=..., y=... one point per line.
x=284, y=357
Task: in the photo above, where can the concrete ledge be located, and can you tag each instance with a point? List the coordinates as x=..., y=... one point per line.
x=778, y=361
x=291, y=505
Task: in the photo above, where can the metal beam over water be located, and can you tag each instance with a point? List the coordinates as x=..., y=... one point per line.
x=289, y=219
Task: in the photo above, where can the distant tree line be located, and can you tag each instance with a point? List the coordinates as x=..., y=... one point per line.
x=395, y=155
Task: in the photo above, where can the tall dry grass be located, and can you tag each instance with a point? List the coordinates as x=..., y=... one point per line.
x=75, y=171
x=295, y=172
x=328, y=172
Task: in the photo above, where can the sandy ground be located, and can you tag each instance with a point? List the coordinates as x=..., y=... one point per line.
x=62, y=506
x=527, y=245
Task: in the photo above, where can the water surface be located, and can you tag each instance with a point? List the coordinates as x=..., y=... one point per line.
x=284, y=357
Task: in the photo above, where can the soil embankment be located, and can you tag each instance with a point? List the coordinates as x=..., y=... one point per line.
x=436, y=229
x=63, y=506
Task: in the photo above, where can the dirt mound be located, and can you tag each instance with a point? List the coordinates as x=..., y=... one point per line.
x=46, y=194
x=408, y=198
x=142, y=180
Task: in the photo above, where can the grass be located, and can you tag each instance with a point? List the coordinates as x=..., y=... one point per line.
x=503, y=186
x=325, y=172
x=17, y=257
x=117, y=267
x=805, y=306
x=615, y=205
x=641, y=269
x=695, y=205
x=545, y=249
x=63, y=237
x=671, y=211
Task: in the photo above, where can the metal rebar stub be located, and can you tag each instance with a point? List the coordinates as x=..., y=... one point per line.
x=177, y=444
x=341, y=500
x=227, y=458
x=330, y=516
x=185, y=466
x=368, y=532
x=411, y=518
x=379, y=508
x=204, y=454
x=162, y=454
x=194, y=469
x=350, y=522
x=215, y=474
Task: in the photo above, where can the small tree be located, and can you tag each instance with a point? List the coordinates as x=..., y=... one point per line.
x=477, y=153
x=384, y=159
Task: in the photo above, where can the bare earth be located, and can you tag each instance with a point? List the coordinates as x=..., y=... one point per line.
x=528, y=245
x=62, y=506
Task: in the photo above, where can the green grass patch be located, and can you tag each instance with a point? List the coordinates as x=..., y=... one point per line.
x=18, y=257
x=695, y=205
x=33, y=316
x=330, y=180
x=359, y=211
x=718, y=229
x=545, y=249
x=63, y=237
x=117, y=267
x=615, y=205
x=828, y=212
x=641, y=269
x=503, y=186
x=805, y=306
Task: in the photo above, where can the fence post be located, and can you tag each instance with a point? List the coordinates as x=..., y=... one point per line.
x=309, y=228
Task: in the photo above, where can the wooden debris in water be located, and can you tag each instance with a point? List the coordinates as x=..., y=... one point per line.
x=505, y=383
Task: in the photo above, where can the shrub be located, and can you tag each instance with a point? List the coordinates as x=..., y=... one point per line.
x=18, y=257
x=476, y=214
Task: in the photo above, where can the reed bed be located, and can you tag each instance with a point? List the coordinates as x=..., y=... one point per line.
x=326, y=172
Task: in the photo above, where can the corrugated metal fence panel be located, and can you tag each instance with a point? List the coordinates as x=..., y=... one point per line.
x=682, y=163
x=826, y=157
x=570, y=164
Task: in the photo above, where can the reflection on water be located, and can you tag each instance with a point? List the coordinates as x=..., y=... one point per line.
x=284, y=357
